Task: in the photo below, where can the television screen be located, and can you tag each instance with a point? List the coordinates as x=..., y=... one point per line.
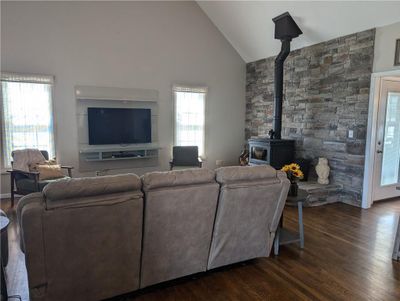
x=119, y=126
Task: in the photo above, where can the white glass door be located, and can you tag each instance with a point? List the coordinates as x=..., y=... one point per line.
x=387, y=152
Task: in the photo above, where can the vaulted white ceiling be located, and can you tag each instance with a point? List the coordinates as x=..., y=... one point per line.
x=248, y=25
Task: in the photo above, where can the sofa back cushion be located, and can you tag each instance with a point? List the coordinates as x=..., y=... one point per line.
x=246, y=174
x=190, y=176
x=178, y=220
x=251, y=201
x=71, y=191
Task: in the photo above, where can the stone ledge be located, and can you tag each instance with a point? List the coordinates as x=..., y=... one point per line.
x=321, y=194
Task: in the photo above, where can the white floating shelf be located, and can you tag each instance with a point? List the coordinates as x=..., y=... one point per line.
x=114, y=153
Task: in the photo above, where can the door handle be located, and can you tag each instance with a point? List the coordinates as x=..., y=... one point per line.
x=379, y=151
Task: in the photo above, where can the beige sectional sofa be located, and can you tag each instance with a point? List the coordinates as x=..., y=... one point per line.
x=95, y=238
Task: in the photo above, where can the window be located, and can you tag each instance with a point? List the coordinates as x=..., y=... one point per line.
x=190, y=117
x=27, y=116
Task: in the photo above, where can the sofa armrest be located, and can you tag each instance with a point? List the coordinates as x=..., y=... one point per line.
x=69, y=169
x=26, y=173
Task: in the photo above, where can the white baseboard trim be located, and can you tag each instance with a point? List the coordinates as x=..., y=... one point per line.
x=5, y=196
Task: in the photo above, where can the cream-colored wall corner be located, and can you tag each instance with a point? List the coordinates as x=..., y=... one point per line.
x=385, y=41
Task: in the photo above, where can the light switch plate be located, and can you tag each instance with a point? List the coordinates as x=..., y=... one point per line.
x=351, y=134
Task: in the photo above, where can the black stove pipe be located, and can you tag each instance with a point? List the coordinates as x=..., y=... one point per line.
x=278, y=97
x=285, y=30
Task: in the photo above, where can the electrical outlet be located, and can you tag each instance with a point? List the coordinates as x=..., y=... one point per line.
x=351, y=134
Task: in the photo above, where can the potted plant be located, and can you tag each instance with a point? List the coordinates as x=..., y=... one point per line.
x=294, y=174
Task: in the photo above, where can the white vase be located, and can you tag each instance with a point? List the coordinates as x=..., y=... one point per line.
x=323, y=170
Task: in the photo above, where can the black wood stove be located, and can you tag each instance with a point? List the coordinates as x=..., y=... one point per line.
x=274, y=150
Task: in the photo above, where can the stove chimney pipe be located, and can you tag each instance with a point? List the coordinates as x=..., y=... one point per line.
x=285, y=30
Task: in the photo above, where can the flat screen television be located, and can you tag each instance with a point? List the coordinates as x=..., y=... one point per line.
x=119, y=126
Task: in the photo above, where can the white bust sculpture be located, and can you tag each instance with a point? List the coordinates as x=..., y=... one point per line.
x=322, y=170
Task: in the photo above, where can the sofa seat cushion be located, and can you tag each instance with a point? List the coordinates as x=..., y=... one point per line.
x=192, y=176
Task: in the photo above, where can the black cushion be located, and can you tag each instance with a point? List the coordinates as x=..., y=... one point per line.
x=28, y=185
x=185, y=155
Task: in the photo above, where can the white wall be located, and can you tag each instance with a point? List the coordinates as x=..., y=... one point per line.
x=148, y=45
x=385, y=42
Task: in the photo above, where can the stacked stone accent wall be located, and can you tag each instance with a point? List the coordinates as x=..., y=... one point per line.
x=326, y=93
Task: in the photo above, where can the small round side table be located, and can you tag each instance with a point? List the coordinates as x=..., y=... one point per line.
x=284, y=236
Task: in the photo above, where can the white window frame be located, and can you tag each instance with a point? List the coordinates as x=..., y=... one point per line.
x=25, y=78
x=193, y=89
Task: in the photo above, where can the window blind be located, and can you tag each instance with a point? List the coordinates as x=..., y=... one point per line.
x=27, y=113
x=190, y=116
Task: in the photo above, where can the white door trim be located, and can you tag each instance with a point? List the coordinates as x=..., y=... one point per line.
x=370, y=144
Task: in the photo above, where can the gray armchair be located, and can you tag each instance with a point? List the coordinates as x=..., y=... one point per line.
x=187, y=156
x=24, y=182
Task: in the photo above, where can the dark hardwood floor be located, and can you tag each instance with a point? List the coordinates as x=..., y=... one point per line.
x=347, y=256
